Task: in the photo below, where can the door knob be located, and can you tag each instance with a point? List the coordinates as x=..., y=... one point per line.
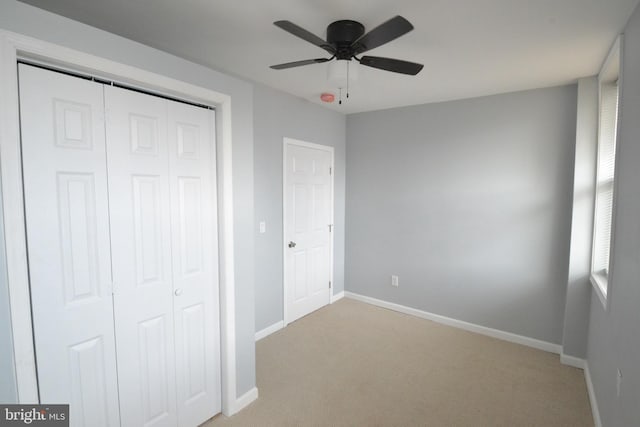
x=292, y=244
x=178, y=292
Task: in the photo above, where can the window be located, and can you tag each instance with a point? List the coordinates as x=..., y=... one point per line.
x=605, y=174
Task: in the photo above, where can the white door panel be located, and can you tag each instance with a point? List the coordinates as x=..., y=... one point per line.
x=66, y=207
x=137, y=153
x=195, y=272
x=308, y=195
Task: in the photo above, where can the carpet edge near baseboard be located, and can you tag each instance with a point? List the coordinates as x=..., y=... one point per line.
x=244, y=401
x=269, y=330
x=263, y=333
x=460, y=324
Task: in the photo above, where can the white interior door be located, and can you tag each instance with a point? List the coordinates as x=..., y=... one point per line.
x=140, y=212
x=66, y=205
x=195, y=272
x=307, y=227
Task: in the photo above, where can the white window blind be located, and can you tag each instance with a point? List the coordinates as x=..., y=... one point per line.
x=605, y=179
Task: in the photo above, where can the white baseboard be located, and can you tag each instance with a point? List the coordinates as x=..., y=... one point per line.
x=592, y=396
x=243, y=401
x=576, y=362
x=269, y=330
x=279, y=325
x=337, y=297
x=495, y=333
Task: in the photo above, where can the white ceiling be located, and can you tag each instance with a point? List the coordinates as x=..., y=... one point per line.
x=469, y=47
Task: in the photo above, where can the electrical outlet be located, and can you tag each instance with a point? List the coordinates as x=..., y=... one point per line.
x=394, y=281
x=619, y=382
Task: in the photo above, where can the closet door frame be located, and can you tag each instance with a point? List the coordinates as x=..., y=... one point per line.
x=15, y=47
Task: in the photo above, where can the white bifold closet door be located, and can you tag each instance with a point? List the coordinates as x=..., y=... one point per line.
x=160, y=186
x=196, y=305
x=66, y=207
x=120, y=213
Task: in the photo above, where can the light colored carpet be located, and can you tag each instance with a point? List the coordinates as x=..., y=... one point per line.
x=353, y=364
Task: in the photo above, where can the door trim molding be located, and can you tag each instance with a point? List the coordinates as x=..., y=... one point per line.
x=14, y=47
x=290, y=141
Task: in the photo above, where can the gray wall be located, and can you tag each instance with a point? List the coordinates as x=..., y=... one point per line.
x=37, y=23
x=277, y=115
x=614, y=333
x=469, y=203
x=576, y=312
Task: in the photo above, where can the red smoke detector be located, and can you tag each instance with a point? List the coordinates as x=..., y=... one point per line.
x=327, y=97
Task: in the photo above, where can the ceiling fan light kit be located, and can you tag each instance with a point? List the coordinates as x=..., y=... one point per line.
x=340, y=73
x=346, y=40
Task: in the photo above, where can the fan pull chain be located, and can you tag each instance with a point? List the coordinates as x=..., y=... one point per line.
x=340, y=96
x=348, y=78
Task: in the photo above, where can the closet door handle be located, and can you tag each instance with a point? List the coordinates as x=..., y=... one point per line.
x=177, y=292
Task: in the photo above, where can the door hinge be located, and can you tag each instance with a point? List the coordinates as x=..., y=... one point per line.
x=330, y=171
x=329, y=284
x=330, y=228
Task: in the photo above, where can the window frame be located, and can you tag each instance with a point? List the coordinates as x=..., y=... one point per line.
x=611, y=69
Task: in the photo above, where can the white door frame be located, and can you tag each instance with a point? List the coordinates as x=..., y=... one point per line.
x=285, y=286
x=14, y=47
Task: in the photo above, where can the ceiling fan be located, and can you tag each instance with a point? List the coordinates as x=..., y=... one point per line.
x=346, y=40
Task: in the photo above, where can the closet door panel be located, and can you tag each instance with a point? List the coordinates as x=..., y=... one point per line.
x=140, y=213
x=195, y=261
x=66, y=210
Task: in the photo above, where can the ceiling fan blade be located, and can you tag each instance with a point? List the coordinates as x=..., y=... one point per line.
x=299, y=63
x=390, y=64
x=383, y=33
x=297, y=31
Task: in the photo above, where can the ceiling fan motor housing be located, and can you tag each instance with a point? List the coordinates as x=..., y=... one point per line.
x=342, y=34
